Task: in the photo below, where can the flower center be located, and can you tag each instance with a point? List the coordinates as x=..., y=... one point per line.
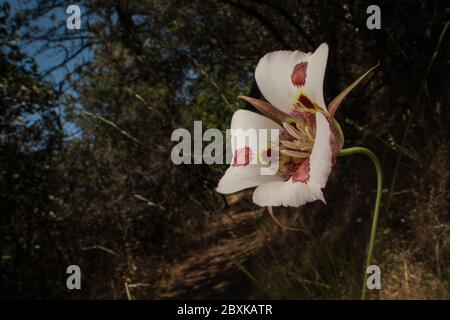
x=297, y=140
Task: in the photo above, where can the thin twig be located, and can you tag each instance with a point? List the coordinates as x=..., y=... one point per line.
x=112, y=124
x=270, y=209
x=98, y=247
x=129, y=296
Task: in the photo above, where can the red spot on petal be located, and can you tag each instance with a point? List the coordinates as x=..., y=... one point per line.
x=298, y=76
x=306, y=102
x=241, y=157
x=302, y=173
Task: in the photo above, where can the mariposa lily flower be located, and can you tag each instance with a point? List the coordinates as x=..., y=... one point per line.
x=310, y=137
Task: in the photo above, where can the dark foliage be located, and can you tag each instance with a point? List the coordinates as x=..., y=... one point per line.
x=106, y=196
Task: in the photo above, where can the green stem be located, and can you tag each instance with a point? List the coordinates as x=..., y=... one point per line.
x=373, y=232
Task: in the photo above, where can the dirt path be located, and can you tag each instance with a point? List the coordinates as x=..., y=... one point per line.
x=212, y=271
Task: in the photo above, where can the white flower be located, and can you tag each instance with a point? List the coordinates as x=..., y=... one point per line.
x=292, y=83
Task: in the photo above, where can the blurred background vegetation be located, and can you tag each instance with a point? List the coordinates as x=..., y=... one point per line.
x=86, y=177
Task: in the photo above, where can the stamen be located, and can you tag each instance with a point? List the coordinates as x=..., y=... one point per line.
x=295, y=154
x=305, y=146
x=308, y=133
x=289, y=144
x=296, y=145
x=300, y=127
x=292, y=131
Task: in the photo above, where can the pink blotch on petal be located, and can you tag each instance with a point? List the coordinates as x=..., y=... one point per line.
x=298, y=76
x=242, y=157
x=302, y=173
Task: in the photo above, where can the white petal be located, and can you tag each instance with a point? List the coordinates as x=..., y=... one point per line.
x=237, y=178
x=295, y=194
x=321, y=156
x=244, y=119
x=286, y=193
x=242, y=177
x=273, y=76
x=315, y=73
